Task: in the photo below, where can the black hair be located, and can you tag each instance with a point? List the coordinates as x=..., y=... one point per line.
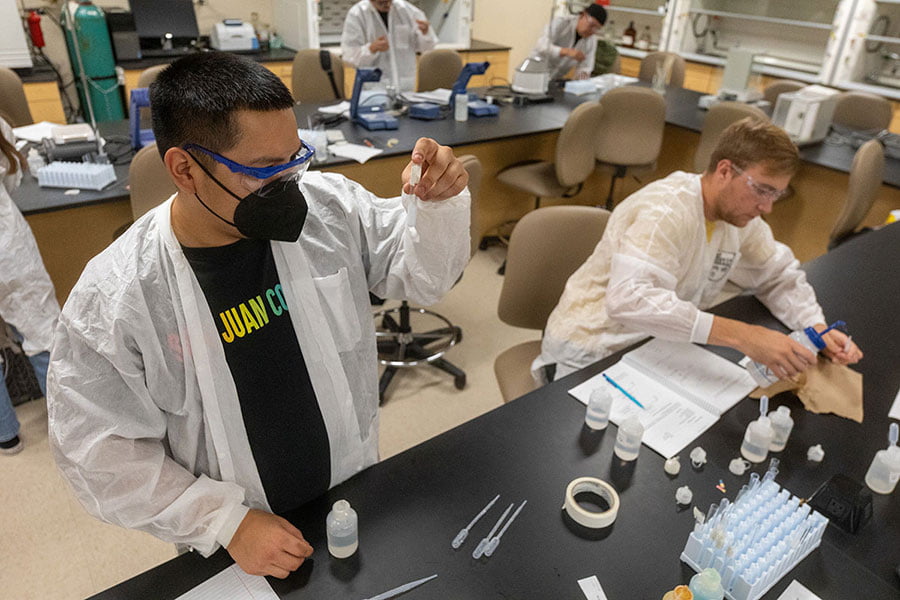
x=193, y=100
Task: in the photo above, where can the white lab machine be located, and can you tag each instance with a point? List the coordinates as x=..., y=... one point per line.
x=532, y=76
x=232, y=35
x=736, y=76
x=806, y=114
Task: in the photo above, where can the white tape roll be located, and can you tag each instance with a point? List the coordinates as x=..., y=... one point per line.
x=587, y=518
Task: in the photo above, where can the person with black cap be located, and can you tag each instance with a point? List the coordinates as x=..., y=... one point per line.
x=569, y=42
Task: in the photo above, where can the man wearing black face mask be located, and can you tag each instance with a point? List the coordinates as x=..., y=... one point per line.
x=216, y=365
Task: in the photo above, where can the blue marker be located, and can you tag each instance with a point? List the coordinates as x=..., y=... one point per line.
x=613, y=383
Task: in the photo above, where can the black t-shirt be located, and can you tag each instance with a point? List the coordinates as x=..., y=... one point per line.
x=384, y=17
x=278, y=403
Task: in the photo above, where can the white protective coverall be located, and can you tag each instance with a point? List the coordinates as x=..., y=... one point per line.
x=27, y=298
x=363, y=26
x=145, y=422
x=655, y=273
x=559, y=34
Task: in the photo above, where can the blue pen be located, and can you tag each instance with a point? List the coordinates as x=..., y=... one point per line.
x=613, y=383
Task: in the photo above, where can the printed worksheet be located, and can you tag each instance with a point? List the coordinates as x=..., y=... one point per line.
x=232, y=583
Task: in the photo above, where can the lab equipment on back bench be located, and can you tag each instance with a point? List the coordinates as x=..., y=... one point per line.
x=233, y=34
x=370, y=117
x=476, y=107
x=806, y=114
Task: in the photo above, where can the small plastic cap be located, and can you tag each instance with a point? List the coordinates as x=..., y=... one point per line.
x=707, y=582
x=738, y=466
x=698, y=457
x=815, y=453
x=684, y=495
x=672, y=466
x=815, y=337
x=783, y=410
x=341, y=506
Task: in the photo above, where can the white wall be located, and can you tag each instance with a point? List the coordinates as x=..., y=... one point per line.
x=514, y=23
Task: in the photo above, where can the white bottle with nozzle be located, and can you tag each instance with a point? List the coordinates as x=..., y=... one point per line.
x=628, y=440
x=884, y=471
x=597, y=414
x=341, y=529
x=759, y=435
x=782, y=424
x=809, y=338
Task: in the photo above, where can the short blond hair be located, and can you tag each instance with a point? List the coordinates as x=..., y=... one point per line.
x=751, y=141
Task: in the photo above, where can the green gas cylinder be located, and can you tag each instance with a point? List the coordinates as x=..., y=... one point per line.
x=88, y=28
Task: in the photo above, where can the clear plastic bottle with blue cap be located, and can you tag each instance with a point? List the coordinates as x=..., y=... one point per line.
x=884, y=471
x=759, y=435
x=808, y=337
x=707, y=585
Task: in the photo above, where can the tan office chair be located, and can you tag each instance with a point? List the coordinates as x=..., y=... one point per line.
x=546, y=247
x=718, y=118
x=309, y=77
x=438, y=69
x=649, y=64
x=411, y=337
x=862, y=111
x=149, y=75
x=148, y=181
x=630, y=133
x=866, y=176
x=779, y=87
x=573, y=162
x=12, y=99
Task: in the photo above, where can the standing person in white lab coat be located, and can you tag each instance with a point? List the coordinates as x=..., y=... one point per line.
x=387, y=34
x=669, y=249
x=569, y=42
x=216, y=364
x=27, y=299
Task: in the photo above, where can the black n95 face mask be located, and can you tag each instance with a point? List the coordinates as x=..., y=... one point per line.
x=276, y=211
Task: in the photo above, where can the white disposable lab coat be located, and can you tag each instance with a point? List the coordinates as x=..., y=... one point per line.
x=363, y=26
x=655, y=273
x=145, y=422
x=27, y=298
x=559, y=34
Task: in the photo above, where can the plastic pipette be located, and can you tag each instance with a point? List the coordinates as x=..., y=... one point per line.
x=495, y=541
x=479, y=549
x=461, y=536
x=409, y=200
x=401, y=589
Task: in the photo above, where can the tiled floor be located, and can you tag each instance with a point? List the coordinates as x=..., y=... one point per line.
x=53, y=550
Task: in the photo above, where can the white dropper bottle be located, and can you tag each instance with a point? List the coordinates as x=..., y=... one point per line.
x=884, y=471
x=341, y=529
x=782, y=424
x=758, y=436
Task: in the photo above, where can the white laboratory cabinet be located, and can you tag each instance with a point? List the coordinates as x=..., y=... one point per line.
x=450, y=19
x=14, y=52
x=796, y=39
x=870, y=60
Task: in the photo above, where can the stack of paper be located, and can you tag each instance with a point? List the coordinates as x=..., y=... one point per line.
x=683, y=388
x=234, y=584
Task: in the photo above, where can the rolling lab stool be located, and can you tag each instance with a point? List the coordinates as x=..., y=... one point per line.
x=407, y=336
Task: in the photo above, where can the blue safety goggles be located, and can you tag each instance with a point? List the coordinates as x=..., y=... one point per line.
x=254, y=178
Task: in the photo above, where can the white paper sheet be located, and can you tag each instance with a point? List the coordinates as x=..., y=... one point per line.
x=895, y=409
x=592, y=589
x=35, y=132
x=797, y=591
x=438, y=96
x=357, y=152
x=234, y=584
x=336, y=109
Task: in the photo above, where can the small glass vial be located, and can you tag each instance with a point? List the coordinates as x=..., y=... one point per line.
x=628, y=440
x=782, y=424
x=597, y=414
x=461, y=107
x=884, y=471
x=341, y=529
x=758, y=436
x=707, y=585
